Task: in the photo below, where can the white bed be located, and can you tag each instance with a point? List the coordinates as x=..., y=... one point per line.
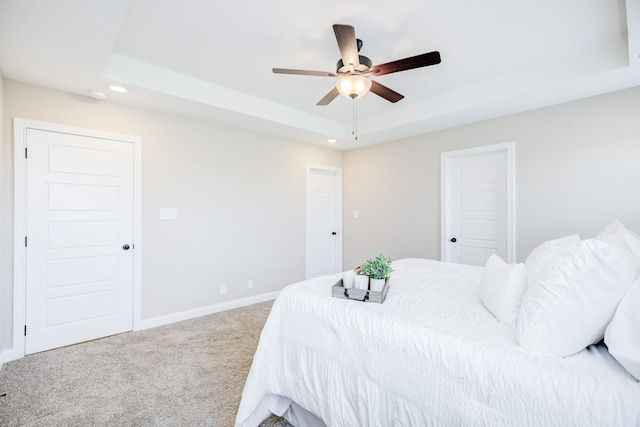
x=430, y=355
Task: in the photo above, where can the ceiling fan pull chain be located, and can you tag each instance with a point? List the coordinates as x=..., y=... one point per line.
x=354, y=131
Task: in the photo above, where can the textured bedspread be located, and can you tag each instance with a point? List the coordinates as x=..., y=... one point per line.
x=430, y=355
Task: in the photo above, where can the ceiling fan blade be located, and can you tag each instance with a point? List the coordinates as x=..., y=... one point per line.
x=304, y=72
x=329, y=97
x=417, y=61
x=383, y=91
x=346, y=37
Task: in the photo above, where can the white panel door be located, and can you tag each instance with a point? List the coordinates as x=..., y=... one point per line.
x=79, y=222
x=323, y=222
x=476, y=207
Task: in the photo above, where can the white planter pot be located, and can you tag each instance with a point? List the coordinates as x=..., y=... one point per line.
x=361, y=282
x=348, y=277
x=377, y=284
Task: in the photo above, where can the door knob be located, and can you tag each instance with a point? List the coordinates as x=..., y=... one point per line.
x=125, y=247
x=453, y=240
x=333, y=233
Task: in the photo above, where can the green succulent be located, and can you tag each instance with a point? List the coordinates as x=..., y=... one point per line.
x=378, y=267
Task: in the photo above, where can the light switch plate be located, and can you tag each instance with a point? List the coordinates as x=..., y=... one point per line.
x=168, y=213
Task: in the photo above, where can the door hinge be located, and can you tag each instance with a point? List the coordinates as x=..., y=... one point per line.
x=25, y=241
x=25, y=152
x=25, y=330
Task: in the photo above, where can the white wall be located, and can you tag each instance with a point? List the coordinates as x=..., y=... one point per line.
x=2, y=278
x=577, y=168
x=240, y=198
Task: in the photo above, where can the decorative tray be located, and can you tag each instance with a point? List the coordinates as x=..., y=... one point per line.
x=339, y=291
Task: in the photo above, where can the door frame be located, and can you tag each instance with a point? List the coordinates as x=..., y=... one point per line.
x=338, y=208
x=20, y=127
x=445, y=160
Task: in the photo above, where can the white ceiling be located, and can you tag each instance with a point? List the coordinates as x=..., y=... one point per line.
x=212, y=60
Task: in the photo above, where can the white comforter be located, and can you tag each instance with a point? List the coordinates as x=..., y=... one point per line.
x=431, y=355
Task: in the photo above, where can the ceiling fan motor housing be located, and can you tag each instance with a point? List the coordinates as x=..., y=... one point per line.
x=365, y=65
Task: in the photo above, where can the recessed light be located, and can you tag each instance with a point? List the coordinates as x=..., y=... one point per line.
x=331, y=140
x=117, y=88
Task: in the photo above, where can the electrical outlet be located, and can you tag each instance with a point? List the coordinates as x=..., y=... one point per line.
x=168, y=213
x=223, y=289
x=250, y=285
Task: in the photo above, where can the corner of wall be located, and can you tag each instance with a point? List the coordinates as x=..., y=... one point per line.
x=1, y=207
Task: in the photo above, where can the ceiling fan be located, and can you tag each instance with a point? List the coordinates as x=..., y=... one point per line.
x=353, y=70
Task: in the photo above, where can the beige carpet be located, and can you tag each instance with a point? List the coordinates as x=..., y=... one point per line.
x=189, y=373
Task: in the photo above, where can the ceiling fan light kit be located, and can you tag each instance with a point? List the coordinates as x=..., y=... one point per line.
x=353, y=86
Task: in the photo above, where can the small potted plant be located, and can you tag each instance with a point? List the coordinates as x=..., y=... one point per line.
x=378, y=269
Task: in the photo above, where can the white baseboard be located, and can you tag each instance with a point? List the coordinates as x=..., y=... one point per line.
x=6, y=355
x=203, y=311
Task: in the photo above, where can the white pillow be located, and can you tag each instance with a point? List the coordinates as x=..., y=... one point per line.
x=502, y=287
x=570, y=302
x=616, y=234
x=546, y=252
x=623, y=333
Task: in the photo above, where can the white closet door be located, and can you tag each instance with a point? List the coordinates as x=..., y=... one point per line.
x=324, y=214
x=79, y=221
x=477, y=201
